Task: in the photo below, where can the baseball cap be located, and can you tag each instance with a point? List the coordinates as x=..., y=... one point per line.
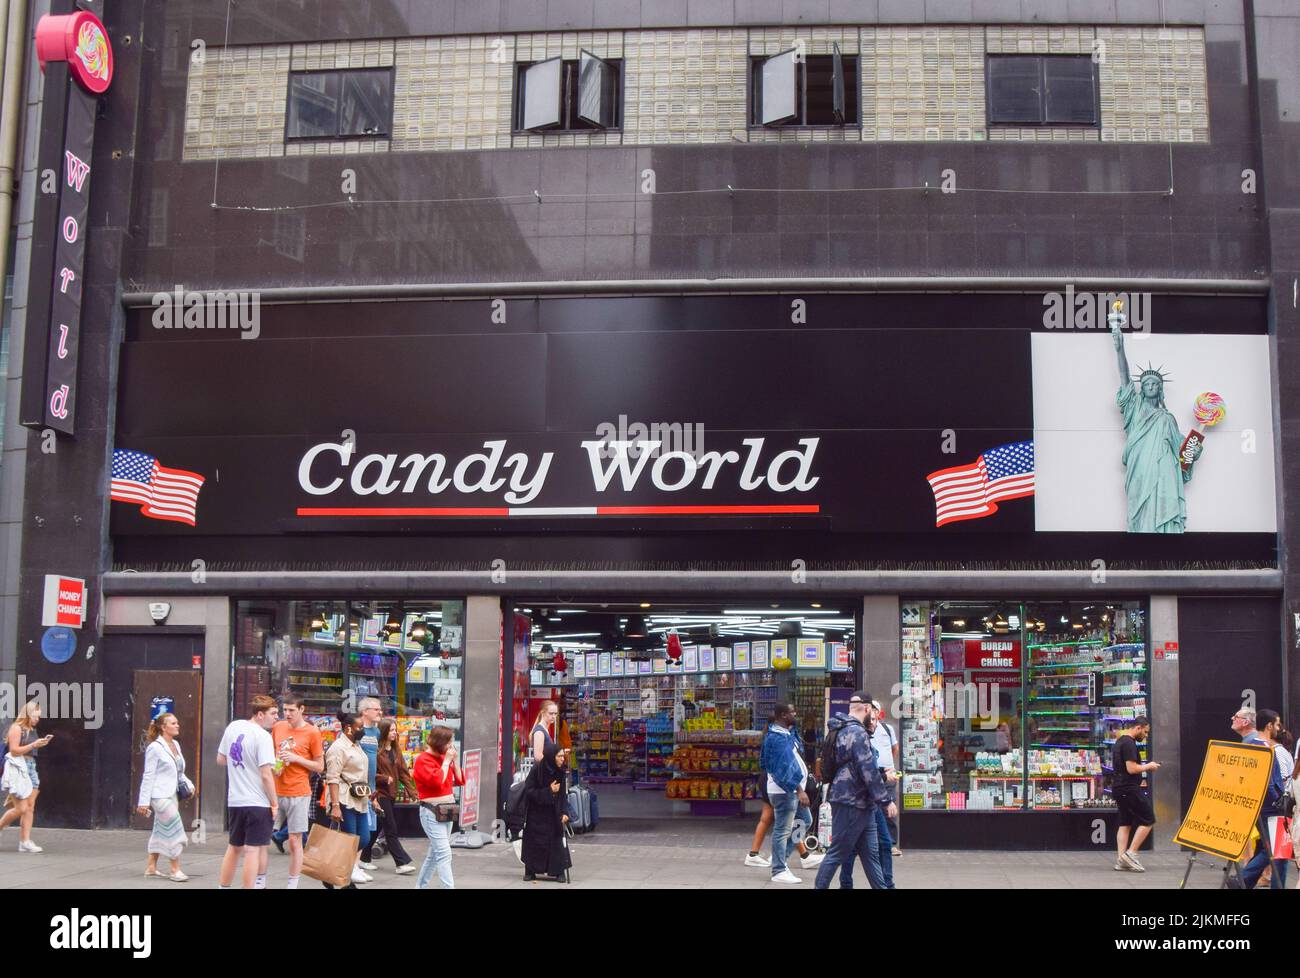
x=861, y=696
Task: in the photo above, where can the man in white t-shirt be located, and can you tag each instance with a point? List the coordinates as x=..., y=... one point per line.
x=885, y=741
x=248, y=755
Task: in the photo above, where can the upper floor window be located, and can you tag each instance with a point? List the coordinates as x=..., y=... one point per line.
x=340, y=104
x=569, y=95
x=1042, y=90
x=817, y=90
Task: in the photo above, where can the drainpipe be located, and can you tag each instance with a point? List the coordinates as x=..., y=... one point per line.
x=13, y=14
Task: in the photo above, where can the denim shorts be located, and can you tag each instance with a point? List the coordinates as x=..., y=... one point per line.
x=31, y=772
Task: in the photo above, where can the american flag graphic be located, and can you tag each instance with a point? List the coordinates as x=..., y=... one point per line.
x=969, y=492
x=162, y=493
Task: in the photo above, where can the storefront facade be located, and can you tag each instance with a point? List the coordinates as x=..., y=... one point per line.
x=443, y=414
x=504, y=476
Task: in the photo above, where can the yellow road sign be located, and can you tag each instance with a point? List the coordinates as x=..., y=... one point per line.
x=1229, y=795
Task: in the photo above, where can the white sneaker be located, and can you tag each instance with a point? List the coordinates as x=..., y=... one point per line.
x=812, y=860
x=29, y=846
x=404, y=870
x=360, y=877
x=786, y=877
x=1133, y=863
x=368, y=867
x=762, y=861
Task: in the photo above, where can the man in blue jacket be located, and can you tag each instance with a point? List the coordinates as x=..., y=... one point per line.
x=856, y=789
x=787, y=773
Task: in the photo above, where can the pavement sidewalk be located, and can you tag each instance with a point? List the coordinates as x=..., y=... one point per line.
x=621, y=854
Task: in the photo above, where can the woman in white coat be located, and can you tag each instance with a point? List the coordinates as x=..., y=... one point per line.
x=164, y=772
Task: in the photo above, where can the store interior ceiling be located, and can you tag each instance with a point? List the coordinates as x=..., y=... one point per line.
x=960, y=619
x=637, y=626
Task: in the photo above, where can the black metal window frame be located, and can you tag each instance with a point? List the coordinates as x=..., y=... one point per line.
x=1042, y=122
x=851, y=78
x=569, y=98
x=387, y=132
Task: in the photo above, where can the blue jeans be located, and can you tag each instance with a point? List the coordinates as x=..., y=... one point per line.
x=439, y=854
x=785, y=810
x=853, y=835
x=1255, y=868
x=358, y=824
x=885, y=847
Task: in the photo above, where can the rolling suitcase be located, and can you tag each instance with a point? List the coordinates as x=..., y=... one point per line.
x=581, y=808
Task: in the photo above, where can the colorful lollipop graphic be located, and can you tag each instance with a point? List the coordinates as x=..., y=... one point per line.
x=1208, y=410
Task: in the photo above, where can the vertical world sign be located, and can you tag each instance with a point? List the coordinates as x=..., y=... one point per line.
x=69, y=262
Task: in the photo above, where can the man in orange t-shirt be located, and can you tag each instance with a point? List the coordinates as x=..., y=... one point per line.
x=298, y=753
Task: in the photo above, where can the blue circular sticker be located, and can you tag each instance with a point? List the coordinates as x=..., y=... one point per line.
x=58, y=644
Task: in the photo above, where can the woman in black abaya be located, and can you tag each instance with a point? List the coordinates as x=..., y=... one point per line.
x=544, y=852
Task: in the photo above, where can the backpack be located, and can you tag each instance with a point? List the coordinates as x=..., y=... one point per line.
x=517, y=807
x=829, y=762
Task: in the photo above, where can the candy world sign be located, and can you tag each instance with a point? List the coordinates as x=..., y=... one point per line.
x=71, y=48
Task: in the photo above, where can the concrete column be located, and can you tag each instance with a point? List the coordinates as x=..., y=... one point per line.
x=1163, y=708
x=217, y=651
x=879, y=650
x=481, y=692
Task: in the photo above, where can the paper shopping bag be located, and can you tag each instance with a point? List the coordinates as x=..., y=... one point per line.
x=1279, y=834
x=330, y=855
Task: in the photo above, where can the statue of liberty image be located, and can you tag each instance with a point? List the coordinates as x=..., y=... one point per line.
x=1153, y=476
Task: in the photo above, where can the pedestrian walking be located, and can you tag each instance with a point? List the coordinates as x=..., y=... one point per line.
x=163, y=781
x=20, y=778
x=299, y=753
x=764, y=826
x=371, y=710
x=545, y=852
x=248, y=755
x=437, y=772
x=885, y=743
x=391, y=774
x=346, y=767
x=856, y=789
x=1263, y=730
x=787, y=775
x=1131, y=795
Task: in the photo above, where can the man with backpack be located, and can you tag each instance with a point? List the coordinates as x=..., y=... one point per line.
x=856, y=789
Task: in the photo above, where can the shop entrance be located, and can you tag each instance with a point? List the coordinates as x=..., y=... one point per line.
x=664, y=704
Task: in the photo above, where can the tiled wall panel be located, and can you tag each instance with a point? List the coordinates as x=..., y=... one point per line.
x=918, y=84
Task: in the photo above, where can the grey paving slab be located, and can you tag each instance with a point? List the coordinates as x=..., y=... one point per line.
x=622, y=854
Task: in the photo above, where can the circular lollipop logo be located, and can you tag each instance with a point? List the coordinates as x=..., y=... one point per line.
x=1209, y=409
x=92, y=50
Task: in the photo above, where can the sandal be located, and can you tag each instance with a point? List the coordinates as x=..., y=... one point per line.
x=152, y=872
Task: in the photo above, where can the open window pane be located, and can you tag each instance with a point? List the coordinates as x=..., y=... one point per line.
x=1015, y=90
x=1071, y=95
x=597, y=91
x=778, y=90
x=540, y=91
x=831, y=97
x=313, y=105
x=837, y=86
x=367, y=99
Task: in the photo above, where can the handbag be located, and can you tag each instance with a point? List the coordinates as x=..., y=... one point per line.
x=446, y=811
